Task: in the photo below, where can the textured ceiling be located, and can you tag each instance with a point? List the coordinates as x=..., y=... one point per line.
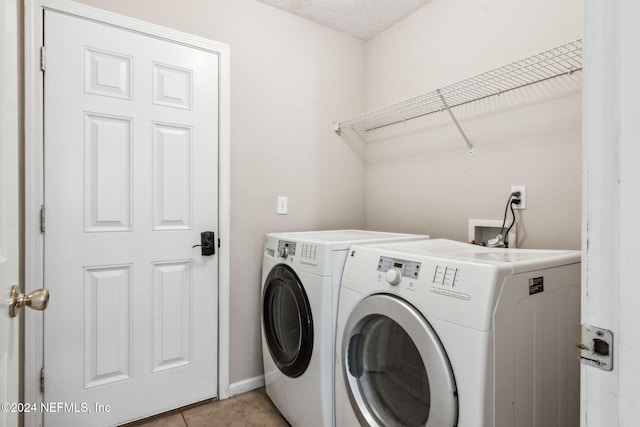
x=363, y=19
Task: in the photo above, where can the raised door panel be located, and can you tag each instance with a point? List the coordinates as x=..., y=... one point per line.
x=172, y=86
x=108, y=174
x=172, y=177
x=107, y=328
x=172, y=315
x=108, y=73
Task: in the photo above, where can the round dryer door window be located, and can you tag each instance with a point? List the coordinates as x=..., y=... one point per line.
x=288, y=325
x=396, y=370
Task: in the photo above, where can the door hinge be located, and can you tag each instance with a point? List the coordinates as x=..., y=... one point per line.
x=218, y=243
x=42, y=380
x=43, y=58
x=42, y=219
x=595, y=347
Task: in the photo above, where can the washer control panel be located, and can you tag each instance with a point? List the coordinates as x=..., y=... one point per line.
x=446, y=280
x=286, y=249
x=410, y=269
x=448, y=276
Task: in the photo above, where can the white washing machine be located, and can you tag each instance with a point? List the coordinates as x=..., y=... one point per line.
x=301, y=276
x=440, y=333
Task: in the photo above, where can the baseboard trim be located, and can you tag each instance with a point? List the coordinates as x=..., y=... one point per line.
x=246, y=385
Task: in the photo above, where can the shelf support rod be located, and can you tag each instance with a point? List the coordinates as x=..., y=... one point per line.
x=446, y=107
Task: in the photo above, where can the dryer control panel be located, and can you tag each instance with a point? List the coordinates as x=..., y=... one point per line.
x=410, y=269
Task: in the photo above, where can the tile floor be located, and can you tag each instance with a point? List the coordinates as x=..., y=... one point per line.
x=249, y=409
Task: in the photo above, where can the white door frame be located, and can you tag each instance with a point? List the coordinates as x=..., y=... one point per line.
x=611, y=207
x=34, y=176
x=10, y=328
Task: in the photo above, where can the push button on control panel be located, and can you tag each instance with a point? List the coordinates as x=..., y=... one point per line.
x=308, y=251
x=447, y=276
x=446, y=280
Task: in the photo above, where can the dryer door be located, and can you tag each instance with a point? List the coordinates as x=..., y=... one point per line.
x=396, y=370
x=287, y=321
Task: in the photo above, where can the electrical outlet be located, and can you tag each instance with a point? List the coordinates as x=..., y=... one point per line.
x=523, y=196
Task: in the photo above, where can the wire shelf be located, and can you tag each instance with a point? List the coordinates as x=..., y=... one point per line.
x=562, y=60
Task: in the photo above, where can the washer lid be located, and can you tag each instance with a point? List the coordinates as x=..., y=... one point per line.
x=396, y=371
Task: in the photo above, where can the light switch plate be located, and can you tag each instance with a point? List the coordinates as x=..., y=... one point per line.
x=282, y=205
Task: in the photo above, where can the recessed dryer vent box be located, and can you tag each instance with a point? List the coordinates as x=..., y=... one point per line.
x=483, y=230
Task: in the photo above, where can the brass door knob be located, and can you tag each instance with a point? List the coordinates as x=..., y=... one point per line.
x=37, y=300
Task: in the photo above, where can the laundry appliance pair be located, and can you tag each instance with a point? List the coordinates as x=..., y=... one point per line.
x=301, y=276
x=440, y=333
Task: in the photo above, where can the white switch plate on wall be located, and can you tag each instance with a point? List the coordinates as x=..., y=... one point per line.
x=282, y=205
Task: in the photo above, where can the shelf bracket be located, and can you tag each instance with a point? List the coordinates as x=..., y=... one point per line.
x=464, y=136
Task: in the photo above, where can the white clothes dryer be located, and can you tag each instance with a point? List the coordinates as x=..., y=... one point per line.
x=440, y=333
x=301, y=276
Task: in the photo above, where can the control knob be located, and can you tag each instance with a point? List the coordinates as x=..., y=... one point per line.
x=393, y=276
x=283, y=252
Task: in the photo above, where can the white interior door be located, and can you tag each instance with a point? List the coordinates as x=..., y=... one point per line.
x=9, y=211
x=131, y=180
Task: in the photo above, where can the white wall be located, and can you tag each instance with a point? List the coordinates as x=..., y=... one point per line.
x=290, y=79
x=419, y=174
